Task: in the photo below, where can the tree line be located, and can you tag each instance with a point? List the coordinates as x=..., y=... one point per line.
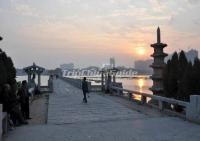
x=181, y=77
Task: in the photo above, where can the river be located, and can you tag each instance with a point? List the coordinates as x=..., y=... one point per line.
x=44, y=79
x=136, y=84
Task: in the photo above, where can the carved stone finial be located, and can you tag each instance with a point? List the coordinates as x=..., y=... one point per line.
x=158, y=35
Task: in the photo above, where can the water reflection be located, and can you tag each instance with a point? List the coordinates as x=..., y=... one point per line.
x=140, y=83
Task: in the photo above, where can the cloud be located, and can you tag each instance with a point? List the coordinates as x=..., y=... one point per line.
x=193, y=1
x=26, y=10
x=98, y=27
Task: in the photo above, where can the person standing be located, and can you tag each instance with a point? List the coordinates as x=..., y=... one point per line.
x=10, y=105
x=24, y=99
x=85, y=89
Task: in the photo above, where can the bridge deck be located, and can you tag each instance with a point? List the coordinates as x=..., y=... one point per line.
x=103, y=118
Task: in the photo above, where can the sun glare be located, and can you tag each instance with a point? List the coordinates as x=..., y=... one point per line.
x=141, y=51
x=140, y=83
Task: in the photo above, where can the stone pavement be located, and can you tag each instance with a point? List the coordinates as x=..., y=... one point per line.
x=102, y=119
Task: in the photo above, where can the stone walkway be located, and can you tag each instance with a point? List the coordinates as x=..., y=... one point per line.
x=102, y=119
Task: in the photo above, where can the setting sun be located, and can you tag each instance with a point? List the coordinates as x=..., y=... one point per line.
x=141, y=51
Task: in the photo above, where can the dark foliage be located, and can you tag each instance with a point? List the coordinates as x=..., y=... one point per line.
x=181, y=78
x=7, y=71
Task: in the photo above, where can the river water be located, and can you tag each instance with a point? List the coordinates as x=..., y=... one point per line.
x=44, y=79
x=135, y=84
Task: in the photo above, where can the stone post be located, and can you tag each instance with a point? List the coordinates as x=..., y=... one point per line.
x=39, y=81
x=102, y=81
x=50, y=83
x=1, y=132
x=29, y=78
x=193, y=109
x=114, y=78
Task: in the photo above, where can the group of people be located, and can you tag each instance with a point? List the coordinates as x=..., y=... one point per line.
x=15, y=100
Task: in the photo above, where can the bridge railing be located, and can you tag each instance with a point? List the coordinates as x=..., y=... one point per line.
x=161, y=100
x=192, y=108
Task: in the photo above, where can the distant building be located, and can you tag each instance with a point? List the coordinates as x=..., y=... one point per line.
x=143, y=66
x=191, y=55
x=112, y=62
x=69, y=66
x=106, y=66
x=56, y=71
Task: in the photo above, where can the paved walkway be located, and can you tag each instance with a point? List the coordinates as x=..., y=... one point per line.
x=103, y=119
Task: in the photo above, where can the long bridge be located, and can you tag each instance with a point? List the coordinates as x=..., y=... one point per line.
x=104, y=118
x=110, y=116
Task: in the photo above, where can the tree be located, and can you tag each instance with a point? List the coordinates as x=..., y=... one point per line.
x=187, y=83
x=3, y=74
x=166, y=79
x=7, y=71
x=10, y=70
x=182, y=64
x=173, y=76
x=196, y=77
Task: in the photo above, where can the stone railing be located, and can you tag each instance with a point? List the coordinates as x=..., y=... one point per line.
x=192, y=108
x=78, y=83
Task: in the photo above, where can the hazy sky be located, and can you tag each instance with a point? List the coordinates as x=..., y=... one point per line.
x=88, y=32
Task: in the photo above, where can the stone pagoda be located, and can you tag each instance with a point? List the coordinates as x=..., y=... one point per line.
x=158, y=65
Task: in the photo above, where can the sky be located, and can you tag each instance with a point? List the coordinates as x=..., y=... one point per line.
x=89, y=32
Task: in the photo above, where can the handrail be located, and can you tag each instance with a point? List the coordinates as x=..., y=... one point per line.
x=155, y=97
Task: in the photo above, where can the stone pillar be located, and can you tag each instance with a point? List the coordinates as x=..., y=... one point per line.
x=29, y=78
x=50, y=83
x=39, y=81
x=109, y=81
x=114, y=78
x=1, y=110
x=102, y=81
x=193, y=109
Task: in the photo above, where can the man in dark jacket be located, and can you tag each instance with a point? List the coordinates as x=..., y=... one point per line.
x=24, y=99
x=85, y=89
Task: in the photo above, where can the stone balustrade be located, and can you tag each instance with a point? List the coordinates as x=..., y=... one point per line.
x=192, y=108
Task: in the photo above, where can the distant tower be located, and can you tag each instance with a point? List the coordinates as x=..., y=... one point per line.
x=112, y=62
x=158, y=65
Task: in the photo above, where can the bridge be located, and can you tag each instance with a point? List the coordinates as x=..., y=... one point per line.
x=104, y=118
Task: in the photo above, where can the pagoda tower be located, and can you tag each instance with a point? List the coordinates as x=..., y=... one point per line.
x=158, y=65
